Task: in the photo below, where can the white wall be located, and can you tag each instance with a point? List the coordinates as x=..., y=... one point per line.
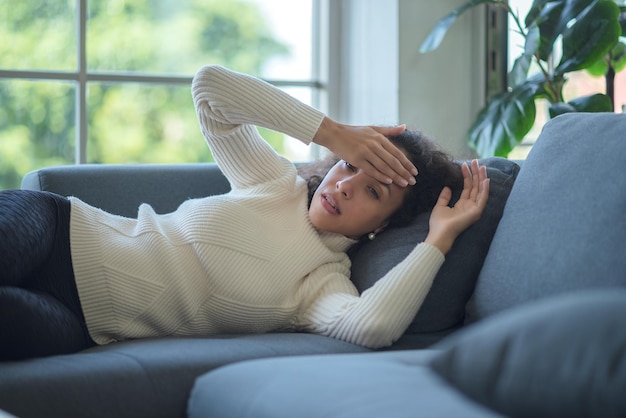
x=441, y=91
x=385, y=80
x=370, y=72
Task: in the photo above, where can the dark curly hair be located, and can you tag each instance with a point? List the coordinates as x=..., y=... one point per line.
x=436, y=170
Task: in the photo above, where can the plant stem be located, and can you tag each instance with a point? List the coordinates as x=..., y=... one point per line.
x=610, y=85
x=515, y=19
x=551, y=89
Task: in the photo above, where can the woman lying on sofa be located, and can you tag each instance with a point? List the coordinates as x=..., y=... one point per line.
x=270, y=255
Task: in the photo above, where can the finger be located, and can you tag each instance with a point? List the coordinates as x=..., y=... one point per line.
x=390, y=130
x=402, y=164
x=387, y=164
x=373, y=171
x=392, y=168
x=483, y=194
x=467, y=181
x=405, y=164
x=444, y=197
x=482, y=174
x=482, y=177
x=475, y=180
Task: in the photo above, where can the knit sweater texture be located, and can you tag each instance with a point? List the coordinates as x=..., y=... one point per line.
x=248, y=261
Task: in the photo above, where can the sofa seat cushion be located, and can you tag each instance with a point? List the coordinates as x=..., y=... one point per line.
x=564, y=224
x=444, y=306
x=563, y=356
x=390, y=385
x=559, y=357
x=134, y=379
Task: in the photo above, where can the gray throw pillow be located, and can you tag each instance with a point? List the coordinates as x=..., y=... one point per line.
x=444, y=305
x=562, y=356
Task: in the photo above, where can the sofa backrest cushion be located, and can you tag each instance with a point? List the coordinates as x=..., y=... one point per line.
x=564, y=224
x=121, y=188
x=562, y=356
x=444, y=305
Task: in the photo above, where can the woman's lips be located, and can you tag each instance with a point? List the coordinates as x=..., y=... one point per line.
x=330, y=204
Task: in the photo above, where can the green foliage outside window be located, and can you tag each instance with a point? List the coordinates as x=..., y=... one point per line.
x=127, y=122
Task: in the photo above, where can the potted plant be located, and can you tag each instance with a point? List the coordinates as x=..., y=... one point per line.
x=588, y=34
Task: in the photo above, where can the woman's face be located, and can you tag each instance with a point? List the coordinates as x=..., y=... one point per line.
x=351, y=203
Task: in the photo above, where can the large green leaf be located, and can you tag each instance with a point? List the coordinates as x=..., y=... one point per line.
x=593, y=103
x=560, y=108
x=434, y=38
x=552, y=17
x=617, y=60
x=502, y=124
x=591, y=37
x=599, y=68
x=519, y=72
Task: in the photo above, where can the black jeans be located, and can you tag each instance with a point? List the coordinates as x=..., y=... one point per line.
x=40, y=312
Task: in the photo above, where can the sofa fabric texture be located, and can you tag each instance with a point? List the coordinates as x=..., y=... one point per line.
x=142, y=378
x=391, y=385
x=562, y=356
x=122, y=188
x=565, y=353
x=564, y=220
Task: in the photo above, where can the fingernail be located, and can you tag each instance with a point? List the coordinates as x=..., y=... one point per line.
x=403, y=183
x=412, y=181
x=414, y=172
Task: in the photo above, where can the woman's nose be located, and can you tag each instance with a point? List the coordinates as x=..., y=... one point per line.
x=345, y=188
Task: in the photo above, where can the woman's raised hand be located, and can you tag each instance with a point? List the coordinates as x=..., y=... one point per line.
x=368, y=148
x=446, y=223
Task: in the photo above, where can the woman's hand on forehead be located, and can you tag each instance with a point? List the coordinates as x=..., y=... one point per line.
x=368, y=148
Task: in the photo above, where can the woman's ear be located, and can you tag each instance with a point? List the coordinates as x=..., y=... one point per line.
x=381, y=228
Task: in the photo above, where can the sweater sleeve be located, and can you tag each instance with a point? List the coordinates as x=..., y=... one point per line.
x=230, y=105
x=381, y=314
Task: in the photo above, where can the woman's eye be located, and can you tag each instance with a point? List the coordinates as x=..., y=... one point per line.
x=373, y=192
x=350, y=166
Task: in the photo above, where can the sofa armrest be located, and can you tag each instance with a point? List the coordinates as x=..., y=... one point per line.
x=120, y=189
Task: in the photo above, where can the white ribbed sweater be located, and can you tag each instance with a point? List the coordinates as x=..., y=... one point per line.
x=248, y=261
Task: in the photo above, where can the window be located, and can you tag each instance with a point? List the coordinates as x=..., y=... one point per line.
x=86, y=81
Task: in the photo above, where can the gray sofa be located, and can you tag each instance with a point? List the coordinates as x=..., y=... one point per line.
x=526, y=317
